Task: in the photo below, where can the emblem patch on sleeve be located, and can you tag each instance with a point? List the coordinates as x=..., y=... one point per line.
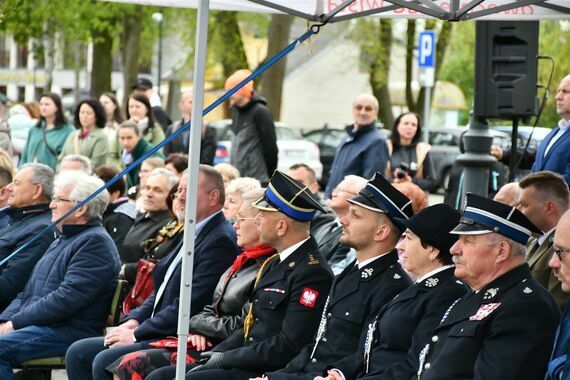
x=309, y=297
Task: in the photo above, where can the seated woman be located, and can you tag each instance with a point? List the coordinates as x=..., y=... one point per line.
x=224, y=316
x=234, y=192
x=401, y=330
x=410, y=160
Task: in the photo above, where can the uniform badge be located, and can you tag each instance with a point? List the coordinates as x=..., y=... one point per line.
x=484, y=311
x=527, y=290
x=431, y=282
x=313, y=260
x=291, y=264
x=309, y=297
x=490, y=293
x=366, y=273
x=397, y=276
x=274, y=290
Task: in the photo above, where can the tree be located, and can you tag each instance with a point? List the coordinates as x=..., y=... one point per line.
x=272, y=80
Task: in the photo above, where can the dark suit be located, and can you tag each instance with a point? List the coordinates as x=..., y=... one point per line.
x=402, y=328
x=538, y=258
x=504, y=331
x=558, y=157
x=329, y=244
x=285, y=321
x=356, y=296
x=559, y=364
x=215, y=250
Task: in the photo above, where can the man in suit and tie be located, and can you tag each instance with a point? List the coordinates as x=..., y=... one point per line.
x=559, y=365
x=214, y=251
x=553, y=152
x=365, y=286
x=544, y=198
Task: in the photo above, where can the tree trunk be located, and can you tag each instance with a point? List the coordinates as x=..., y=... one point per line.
x=230, y=44
x=380, y=72
x=271, y=85
x=410, y=44
x=132, y=39
x=102, y=62
x=50, y=56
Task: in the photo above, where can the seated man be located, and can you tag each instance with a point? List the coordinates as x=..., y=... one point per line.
x=215, y=250
x=68, y=294
x=146, y=226
x=28, y=197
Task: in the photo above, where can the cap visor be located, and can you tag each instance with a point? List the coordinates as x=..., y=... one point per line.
x=262, y=204
x=361, y=201
x=466, y=229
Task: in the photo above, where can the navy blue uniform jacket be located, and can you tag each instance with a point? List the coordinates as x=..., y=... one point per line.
x=71, y=287
x=215, y=250
x=287, y=304
x=504, y=331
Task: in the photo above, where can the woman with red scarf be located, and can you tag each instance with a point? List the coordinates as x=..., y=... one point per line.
x=220, y=319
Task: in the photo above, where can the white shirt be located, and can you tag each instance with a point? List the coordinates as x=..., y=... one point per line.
x=545, y=236
x=288, y=251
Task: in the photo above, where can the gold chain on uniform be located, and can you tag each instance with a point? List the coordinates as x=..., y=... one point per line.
x=248, y=322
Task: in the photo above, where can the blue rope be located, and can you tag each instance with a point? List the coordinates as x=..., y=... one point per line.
x=223, y=98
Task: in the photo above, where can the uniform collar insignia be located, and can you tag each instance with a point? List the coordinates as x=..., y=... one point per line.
x=490, y=294
x=431, y=282
x=397, y=276
x=366, y=273
x=527, y=290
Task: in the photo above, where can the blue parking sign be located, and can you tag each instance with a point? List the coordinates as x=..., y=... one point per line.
x=426, y=49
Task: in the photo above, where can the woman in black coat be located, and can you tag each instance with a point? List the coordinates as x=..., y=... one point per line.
x=217, y=321
x=391, y=347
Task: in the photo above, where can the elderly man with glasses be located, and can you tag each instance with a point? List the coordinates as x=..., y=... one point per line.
x=363, y=150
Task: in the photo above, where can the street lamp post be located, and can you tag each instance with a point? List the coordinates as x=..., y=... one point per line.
x=158, y=17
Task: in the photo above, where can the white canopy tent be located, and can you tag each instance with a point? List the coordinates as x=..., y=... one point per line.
x=320, y=12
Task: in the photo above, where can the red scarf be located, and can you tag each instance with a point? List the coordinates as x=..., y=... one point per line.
x=252, y=253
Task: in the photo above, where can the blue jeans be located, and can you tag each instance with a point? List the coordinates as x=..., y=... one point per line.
x=87, y=358
x=28, y=343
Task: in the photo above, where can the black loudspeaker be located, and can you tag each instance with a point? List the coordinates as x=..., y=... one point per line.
x=506, y=69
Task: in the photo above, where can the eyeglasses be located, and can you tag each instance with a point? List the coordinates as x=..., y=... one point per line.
x=359, y=107
x=558, y=251
x=240, y=219
x=59, y=199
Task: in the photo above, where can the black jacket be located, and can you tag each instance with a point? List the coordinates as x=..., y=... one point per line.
x=254, y=146
x=402, y=328
x=356, y=296
x=145, y=227
x=223, y=317
x=504, y=331
x=329, y=244
x=24, y=224
x=118, y=220
x=287, y=304
x=208, y=143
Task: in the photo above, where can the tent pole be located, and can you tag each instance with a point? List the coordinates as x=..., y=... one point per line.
x=192, y=191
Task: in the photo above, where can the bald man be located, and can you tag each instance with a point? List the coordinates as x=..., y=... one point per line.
x=363, y=150
x=509, y=194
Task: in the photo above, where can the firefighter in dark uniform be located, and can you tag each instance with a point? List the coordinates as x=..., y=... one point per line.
x=365, y=286
x=397, y=334
x=289, y=294
x=505, y=327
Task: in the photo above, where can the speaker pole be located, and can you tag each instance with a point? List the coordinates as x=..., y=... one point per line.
x=513, y=157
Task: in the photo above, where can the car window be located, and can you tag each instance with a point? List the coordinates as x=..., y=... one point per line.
x=442, y=138
x=284, y=133
x=315, y=137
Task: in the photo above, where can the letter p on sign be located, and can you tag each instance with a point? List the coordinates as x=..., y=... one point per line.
x=427, y=49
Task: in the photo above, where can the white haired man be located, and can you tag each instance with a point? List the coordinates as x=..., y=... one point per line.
x=68, y=294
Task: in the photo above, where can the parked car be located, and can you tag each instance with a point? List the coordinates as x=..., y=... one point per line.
x=293, y=149
x=444, y=142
